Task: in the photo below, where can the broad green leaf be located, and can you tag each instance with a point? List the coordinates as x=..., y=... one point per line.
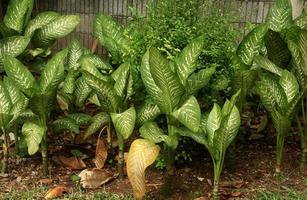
x=281, y=123
x=82, y=91
x=58, y=28
x=277, y=50
x=75, y=52
x=12, y=46
x=43, y=104
x=186, y=61
x=280, y=15
x=6, y=31
x=96, y=62
x=5, y=105
x=252, y=43
x=267, y=65
x=16, y=14
x=302, y=45
x=19, y=74
x=110, y=35
x=142, y=153
x=204, y=122
x=65, y=124
x=199, y=79
x=121, y=77
x=53, y=73
x=88, y=66
x=298, y=60
x=289, y=84
x=165, y=79
x=228, y=130
x=40, y=20
x=80, y=118
x=151, y=87
x=99, y=121
x=152, y=132
x=124, y=122
x=197, y=137
x=301, y=21
x=69, y=82
x=147, y=112
x=33, y=134
x=213, y=122
x=189, y=114
x=104, y=90
x=230, y=104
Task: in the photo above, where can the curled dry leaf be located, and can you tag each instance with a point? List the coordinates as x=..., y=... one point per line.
x=58, y=191
x=94, y=178
x=101, y=153
x=72, y=163
x=142, y=153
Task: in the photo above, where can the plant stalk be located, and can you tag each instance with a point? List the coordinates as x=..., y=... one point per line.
x=44, y=146
x=121, y=159
x=16, y=133
x=5, y=159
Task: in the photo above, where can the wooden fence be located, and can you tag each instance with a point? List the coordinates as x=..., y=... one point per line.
x=253, y=11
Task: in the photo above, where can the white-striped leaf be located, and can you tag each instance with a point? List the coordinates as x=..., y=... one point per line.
x=40, y=20
x=82, y=91
x=33, y=134
x=289, y=84
x=280, y=15
x=98, y=122
x=186, y=61
x=189, y=114
x=267, y=65
x=65, y=124
x=81, y=118
x=121, y=77
x=213, y=122
x=142, y=153
x=58, y=28
x=147, y=112
x=152, y=132
x=124, y=122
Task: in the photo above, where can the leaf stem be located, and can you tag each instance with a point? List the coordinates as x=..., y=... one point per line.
x=4, y=168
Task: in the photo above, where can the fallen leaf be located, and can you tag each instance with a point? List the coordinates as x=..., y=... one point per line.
x=18, y=179
x=94, y=178
x=72, y=163
x=45, y=181
x=200, y=179
x=58, y=191
x=101, y=153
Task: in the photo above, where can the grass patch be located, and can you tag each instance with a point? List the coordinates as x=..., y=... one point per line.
x=39, y=192
x=286, y=194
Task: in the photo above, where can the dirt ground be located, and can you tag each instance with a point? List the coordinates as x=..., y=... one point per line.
x=254, y=172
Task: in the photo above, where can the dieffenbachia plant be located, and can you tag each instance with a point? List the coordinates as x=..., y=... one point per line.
x=12, y=105
x=171, y=86
x=217, y=130
x=42, y=95
x=113, y=93
x=17, y=30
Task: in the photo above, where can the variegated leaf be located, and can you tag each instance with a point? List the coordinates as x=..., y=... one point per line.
x=81, y=118
x=186, y=61
x=147, y=112
x=280, y=15
x=33, y=134
x=289, y=84
x=58, y=28
x=152, y=132
x=267, y=65
x=98, y=122
x=252, y=43
x=124, y=122
x=82, y=91
x=189, y=114
x=213, y=122
x=121, y=77
x=65, y=124
x=75, y=52
x=40, y=20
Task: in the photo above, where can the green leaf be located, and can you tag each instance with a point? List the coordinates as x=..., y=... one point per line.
x=5, y=105
x=199, y=79
x=147, y=112
x=213, y=122
x=64, y=124
x=53, y=73
x=96, y=62
x=204, y=122
x=33, y=134
x=301, y=21
x=104, y=90
x=6, y=31
x=19, y=74
x=69, y=82
x=197, y=137
x=75, y=52
x=277, y=49
x=124, y=122
x=80, y=118
x=267, y=65
x=252, y=43
x=58, y=28
x=40, y=20
x=281, y=123
x=110, y=34
x=12, y=46
x=186, y=61
x=280, y=15
x=165, y=79
x=152, y=132
x=189, y=114
x=99, y=121
x=228, y=130
x=289, y=84
x=16, y=14
x=121, y=77
x=82, y=91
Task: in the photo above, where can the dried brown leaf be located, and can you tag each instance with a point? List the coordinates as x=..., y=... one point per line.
x=72, y=163
x=94, y=178
x=58, y=191
x=101, y=153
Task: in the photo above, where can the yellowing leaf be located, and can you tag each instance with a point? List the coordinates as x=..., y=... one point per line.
x=142, y=153
x=101, y=153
